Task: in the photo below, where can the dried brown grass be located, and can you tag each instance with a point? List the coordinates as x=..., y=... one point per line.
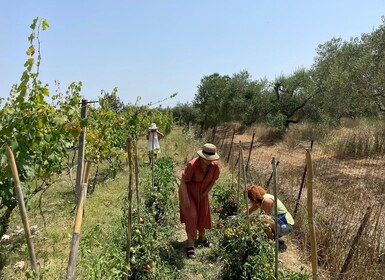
x=348, y=178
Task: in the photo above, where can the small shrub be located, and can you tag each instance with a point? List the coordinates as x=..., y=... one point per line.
x=249, y=255
x=225, y=200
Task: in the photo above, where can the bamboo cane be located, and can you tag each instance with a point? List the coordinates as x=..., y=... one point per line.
x=137, y=180
x=274, y=167
x=239, y=181
x=71, y=269
x=313, y=241
x=245, y=185
x=86, y=176
x=82, y=141
x=23, y=211
x=152, y=161
x=129, y=222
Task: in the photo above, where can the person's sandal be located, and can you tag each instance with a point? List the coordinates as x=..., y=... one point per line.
x=190, y=253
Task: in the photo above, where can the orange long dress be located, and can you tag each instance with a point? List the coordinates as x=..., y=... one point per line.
x=198, y=216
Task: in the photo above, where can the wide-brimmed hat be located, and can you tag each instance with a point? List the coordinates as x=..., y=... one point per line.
x=153, y=126
x=208, y=152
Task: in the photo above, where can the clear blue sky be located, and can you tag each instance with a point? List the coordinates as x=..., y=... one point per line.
x=155, y=48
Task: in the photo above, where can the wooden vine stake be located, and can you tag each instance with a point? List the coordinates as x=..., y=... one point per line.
x=313, y=241
x=153, y=162
x=23, y=211
x=71, y=269
x=302, y=184
x=243, y=171
x=129, y=221
x=231, y=146
x=355, y=242
x=82, y=143
x=137, y=180
x=250, y=150
x=274, y=172
x=238, y=181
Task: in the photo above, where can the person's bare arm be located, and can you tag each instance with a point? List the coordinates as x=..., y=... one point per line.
x=253, y=208
x=267, y=205
x=206, y=192
x=160, y=135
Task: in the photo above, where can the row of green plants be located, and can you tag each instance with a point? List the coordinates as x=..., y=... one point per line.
x=43, y=130
x=152, y=255
x=243, y=248
x=155, y=254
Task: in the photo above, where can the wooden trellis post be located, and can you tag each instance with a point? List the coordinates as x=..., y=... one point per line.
x=23, y=211
x=313, y=241
x=243, y=171
x=77, y=227
x=355, y=242
x=275, y=193
x=231, y=146
x=223, y=139
x=82, y=141
x=271, y=176
x=137, y=180
x=302, y=184
x=250, y=149
x=129, y=222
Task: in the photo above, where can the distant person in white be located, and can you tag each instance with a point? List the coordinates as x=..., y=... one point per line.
x=153, y=137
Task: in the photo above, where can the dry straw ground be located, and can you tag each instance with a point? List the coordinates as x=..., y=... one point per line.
x=347, y=185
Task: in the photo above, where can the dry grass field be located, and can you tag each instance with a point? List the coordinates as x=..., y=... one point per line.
x=348, y=190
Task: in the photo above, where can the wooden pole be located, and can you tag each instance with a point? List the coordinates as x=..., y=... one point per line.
x=71, y=269
x=238, y=181
x=86, y=175
x=302, y=184
x=82, y=138
x=231, y=146
x=223, y=139
x=129, y=222
x=241, y=163
x=213, y=134
x=23, y=211
x=353, y=247
x=274, y=167
x=271, y=176
x=250, y=149
x=137, y=180
x=313, y=241
x=152, y=162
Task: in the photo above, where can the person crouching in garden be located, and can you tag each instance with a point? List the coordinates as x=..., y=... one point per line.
x=261, y=200
x=196, y=181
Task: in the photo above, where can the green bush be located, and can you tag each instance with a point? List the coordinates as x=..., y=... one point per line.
x=249, y=255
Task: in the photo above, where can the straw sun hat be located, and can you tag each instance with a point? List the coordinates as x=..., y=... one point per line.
x=153, y=126
x=208, y=152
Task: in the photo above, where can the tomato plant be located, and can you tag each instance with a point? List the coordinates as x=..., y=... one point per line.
x=225, y=200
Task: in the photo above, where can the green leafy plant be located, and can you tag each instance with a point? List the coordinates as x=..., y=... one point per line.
x=225, y=200
x=249, y=254
x=158, y=198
